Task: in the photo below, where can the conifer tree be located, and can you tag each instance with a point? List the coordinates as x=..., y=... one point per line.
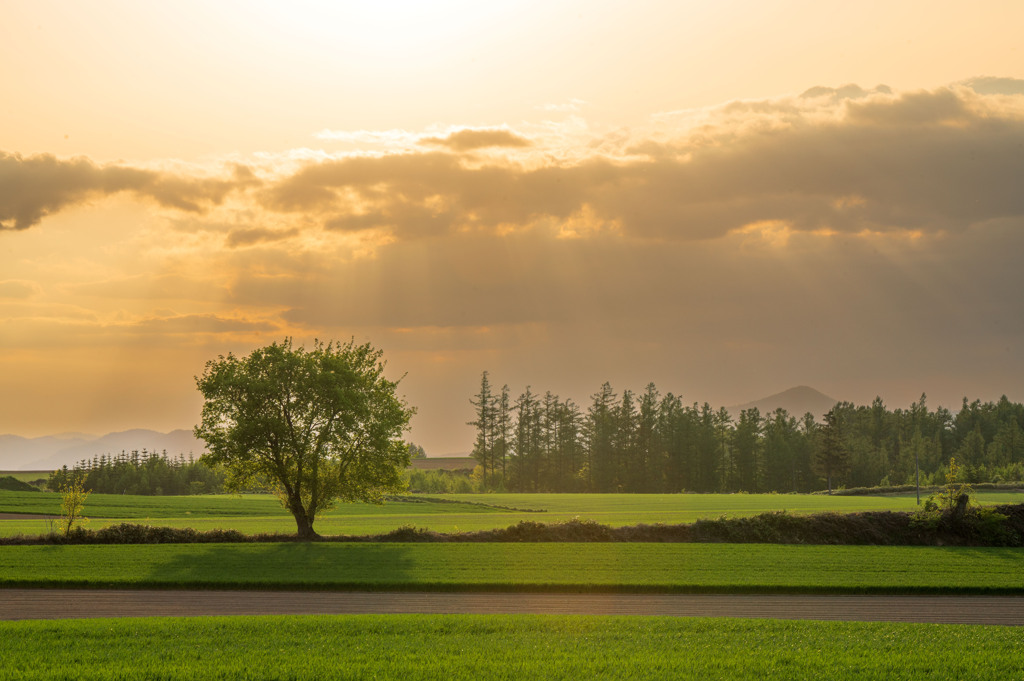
x=483, y=448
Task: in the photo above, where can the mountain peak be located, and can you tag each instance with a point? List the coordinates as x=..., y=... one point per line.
x=797, y=401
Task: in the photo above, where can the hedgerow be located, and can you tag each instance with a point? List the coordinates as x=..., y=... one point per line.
x=978, y=526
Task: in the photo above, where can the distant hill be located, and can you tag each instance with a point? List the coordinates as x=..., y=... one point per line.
x=797, y=401
x=51, y=452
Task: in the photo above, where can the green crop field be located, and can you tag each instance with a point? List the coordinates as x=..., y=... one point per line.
x=250, y=513
x=26, y=476
x=522, y=566
x=455, y=647
x=255, y=513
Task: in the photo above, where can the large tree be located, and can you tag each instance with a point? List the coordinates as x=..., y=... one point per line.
x=317, y=425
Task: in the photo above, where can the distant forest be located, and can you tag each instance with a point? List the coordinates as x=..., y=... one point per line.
x=655, y=443
x=142, y=472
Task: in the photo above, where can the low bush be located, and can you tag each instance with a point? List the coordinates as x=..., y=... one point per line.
x=574, y=530
x=409, y=534
x=926, y=489
x=130, y=533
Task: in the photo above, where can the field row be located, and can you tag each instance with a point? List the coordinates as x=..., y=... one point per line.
x=254, y=514
x=410, y=647
x=522, y=567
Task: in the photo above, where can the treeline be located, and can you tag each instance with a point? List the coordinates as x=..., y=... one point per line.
x=441, y=482
x=145, y=472
x=655, y=443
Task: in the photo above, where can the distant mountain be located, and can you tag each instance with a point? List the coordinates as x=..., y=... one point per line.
x=76, y=436
x=17, y=453
x=51, y=452
x=797, y=401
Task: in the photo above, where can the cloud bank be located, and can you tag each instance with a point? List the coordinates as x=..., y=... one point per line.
x=36, y=186
x=844, y=160
x=850, y=238
x=841, y=159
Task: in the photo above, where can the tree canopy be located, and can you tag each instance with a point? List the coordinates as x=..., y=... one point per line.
x=317, y=425
x=625, y=442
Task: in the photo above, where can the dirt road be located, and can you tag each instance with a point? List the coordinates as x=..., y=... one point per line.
x=74, y=603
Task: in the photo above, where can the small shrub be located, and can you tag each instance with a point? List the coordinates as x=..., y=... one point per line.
x=73, y=495
x=410, y=534
x=988, y=527
x=948, y=496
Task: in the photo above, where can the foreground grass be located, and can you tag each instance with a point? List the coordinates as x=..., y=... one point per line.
x=525, y=567
x=503, y=647
x=258, y=513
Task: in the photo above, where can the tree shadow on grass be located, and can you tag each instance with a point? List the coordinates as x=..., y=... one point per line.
x=297, y=565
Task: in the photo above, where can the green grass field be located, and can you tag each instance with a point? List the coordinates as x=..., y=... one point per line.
x=255, y=513
x=27, y=476
x=455, y=647
x=499, y=647
x=522, y=567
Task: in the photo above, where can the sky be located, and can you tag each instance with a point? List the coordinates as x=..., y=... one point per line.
x=727, y=199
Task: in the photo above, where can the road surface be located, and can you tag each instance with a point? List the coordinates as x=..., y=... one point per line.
x=18, y=604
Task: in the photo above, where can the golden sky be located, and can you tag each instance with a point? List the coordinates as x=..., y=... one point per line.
x=728, y=199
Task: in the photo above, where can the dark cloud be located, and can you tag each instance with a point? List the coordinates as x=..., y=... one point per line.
x=987, y=85
x=468, y=140
x=704, y=317
x=32, y=187
x=417, y=194
x=322, y=186
x=724, y=288
x=851, y=91
x=919, y=161
x=942, y=107
x=843, y=159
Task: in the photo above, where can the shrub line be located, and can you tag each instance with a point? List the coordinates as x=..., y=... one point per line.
x=987, y=526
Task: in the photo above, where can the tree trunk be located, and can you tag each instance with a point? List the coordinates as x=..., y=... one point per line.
x=961, y=506
x=304, y=523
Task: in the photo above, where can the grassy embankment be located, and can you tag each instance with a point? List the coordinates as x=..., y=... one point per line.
x=522, y=567
x=410, y=647
x=252, y=514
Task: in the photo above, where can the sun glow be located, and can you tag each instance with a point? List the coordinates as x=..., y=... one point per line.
x=390, y=32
